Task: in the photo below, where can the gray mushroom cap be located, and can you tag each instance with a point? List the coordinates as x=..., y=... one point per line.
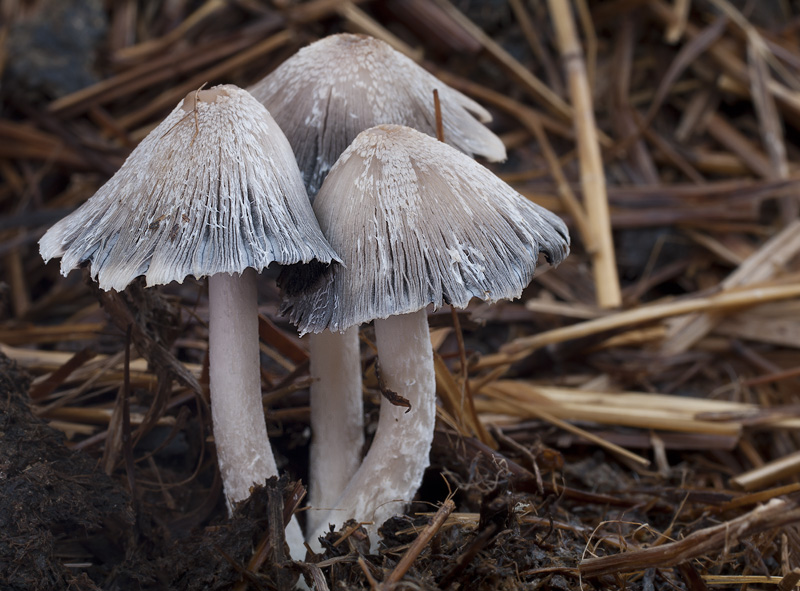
x=333, y=89
x=416, y=223
x=213, y=189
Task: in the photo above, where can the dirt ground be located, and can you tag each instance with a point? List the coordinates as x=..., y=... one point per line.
x=635, y=421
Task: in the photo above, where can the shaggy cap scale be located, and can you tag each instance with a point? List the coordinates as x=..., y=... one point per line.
x=331, y=90
x=416, y=223
x=213, y=189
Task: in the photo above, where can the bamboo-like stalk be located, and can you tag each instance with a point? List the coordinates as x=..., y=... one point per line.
x=634, y=415
x=768, y=473
x=591, y=161
x=522, y=347
x=535, y=410
x=760, y=266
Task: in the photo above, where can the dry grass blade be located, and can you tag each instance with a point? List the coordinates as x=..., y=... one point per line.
x=676, y=28
x=759, y=497
x=363, y=23
x=722, y=302
x=207, y=10
x=418, y=545
x=631, y=409
x=50, y=334
x=533, y=410
x=283, y=343
x=761, y=266
x=738, y=143
x=790, y=580
x=535, y=42
x=146, y=74
x=524, y=113
x=532, y=84
x=171, y=97
x=730, y=62
x=55, y=379
x=769, y=473
x=770, y=124
x=775, y=514
x=690, y=52
x=458, y=403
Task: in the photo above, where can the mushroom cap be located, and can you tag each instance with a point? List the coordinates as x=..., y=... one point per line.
x=416, y=223
x=215, y=188
x=335, y=88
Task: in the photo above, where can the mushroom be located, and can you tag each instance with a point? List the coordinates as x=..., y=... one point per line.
x=214, y=190
x=323, y=97
x=332, y=90
x=416, y=223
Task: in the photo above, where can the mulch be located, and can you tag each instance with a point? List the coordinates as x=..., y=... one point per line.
x=633, y=421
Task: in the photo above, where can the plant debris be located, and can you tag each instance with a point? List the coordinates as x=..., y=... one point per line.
x=633, y=421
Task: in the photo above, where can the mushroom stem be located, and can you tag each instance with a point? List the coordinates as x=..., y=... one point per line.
x=399, y=453
x=240, y=431
x=337, y=424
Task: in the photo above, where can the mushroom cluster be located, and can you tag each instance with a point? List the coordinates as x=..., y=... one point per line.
x=416, y=223
x=323, y=97
x=217, y=190
x=411, y=231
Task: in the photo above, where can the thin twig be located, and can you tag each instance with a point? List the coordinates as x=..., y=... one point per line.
x=418, y=545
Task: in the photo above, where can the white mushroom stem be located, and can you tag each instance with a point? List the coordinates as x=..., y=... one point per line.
x=240, y=431
x=392, y=470
x=337, y=423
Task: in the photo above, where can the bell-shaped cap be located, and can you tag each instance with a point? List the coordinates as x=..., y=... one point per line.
x=332, y=90
x=215, y=188
x=416, y=223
